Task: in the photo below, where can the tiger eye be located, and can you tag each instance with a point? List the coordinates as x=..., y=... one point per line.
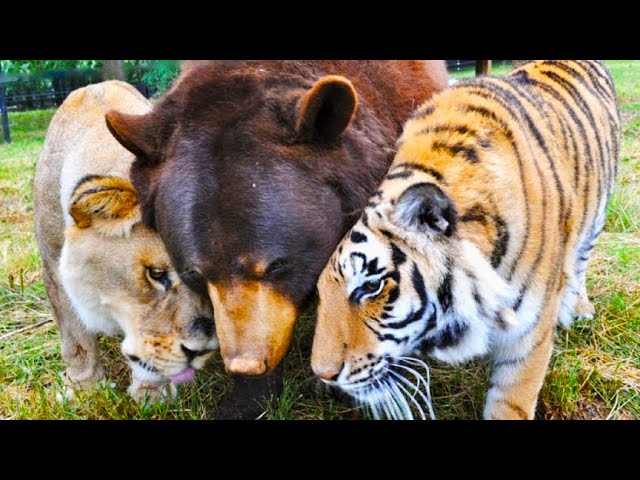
x=372, y=286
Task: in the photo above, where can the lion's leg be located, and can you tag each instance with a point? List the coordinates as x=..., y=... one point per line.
x=519, y=370
x=79, y=347
x=141, y=390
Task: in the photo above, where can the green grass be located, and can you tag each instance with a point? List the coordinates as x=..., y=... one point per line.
x=594, y=372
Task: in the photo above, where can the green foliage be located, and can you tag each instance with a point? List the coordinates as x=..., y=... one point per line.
x=156, y=74
x=16, y=67
x=160, y=74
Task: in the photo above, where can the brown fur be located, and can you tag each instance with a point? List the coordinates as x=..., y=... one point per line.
x=268, y=161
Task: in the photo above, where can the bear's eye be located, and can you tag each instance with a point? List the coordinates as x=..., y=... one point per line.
x=157, y=275
x=277, y=268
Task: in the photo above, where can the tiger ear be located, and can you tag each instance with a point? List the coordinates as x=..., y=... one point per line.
x=108, y=204
x=426, y=208
x=136, y=133
x=325, y=111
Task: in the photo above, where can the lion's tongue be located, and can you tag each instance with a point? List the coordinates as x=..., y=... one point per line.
x=187, y=375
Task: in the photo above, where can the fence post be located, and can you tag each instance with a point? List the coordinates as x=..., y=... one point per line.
x=3, y=112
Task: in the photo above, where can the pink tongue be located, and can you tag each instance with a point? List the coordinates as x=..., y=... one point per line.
x=187, y=375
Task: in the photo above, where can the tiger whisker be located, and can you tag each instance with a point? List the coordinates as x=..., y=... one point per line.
x=400, y=399
x=383, y=400
x=414, y=361
x=417, y=362
x=419, y=379
x=379, y=408
x=372, y=406
x=427, y=381
x=412, y=400
x=416, y=387
x=392, y=401
x=416, y=390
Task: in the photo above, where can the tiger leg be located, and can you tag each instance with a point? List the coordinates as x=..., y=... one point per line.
x=575, y=301
x=519, y=370
x=584, y=309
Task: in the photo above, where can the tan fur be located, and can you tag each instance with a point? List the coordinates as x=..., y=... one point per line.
x=253, y=322
x=96, y=252
x=97, y=202
x=529, y=163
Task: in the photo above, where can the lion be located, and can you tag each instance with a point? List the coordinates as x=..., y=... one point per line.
x=104, y=271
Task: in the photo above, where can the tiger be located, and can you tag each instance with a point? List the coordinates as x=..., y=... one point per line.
x=477, y=241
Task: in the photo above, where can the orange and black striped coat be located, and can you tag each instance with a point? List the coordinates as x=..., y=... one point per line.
x=478, y=239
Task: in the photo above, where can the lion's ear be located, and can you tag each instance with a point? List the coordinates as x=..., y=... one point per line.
x=106, y=203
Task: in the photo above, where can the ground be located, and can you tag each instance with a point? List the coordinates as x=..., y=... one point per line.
x=594, y=373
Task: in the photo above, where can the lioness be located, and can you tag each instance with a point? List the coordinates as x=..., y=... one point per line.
x=104, y=271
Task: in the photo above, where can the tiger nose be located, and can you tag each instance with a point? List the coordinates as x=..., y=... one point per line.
x=191, y=354
x=329, y=375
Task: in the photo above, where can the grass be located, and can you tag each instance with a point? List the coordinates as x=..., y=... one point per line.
x=594, y=372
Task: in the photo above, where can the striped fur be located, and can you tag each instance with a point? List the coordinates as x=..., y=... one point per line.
x=478, y=240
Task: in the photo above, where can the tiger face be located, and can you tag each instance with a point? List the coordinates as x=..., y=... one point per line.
x=387, y=294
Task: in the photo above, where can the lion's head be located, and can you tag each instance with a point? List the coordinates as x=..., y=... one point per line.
x=120, y=280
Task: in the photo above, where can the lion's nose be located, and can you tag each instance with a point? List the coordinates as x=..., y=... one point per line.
x=191, y=354
x=202, y=325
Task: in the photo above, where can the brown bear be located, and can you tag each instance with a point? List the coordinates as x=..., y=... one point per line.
x=252, y=171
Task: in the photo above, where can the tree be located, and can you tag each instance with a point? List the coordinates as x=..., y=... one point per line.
x=483, y=67
x=113, y=70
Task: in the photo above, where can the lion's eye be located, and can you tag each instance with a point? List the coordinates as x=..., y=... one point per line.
x=160, y=276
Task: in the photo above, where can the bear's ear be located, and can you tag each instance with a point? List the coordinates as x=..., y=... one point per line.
x=108, y=204
x=325, y=111
x=424, y=207
x=134, y=132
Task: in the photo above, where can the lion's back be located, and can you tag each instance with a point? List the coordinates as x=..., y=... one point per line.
x=77, y=144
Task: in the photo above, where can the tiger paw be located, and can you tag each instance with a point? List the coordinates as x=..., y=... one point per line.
x=152, y=392
x=508, y=409
x=584, y=310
